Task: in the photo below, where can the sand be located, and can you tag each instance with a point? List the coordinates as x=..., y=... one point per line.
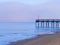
x=52, y=39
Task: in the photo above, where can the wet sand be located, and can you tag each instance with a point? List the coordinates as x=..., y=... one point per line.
x=50, y=39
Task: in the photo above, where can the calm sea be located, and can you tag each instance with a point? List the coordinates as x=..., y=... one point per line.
x=13, y=31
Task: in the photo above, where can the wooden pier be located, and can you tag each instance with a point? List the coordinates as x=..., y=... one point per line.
x=47, y=23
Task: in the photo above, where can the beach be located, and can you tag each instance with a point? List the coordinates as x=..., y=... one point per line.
x=47, y=39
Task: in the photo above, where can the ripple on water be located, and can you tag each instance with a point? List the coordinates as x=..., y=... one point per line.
x=1, y=35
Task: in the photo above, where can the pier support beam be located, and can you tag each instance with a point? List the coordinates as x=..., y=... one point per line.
x=37, y=24
x=52, y=24
x=57, y=24
x=47, y=24
x=42, y=23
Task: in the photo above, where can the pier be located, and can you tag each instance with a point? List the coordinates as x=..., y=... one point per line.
x=47, y=23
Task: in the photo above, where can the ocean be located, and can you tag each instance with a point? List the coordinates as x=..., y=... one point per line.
x=14, y=31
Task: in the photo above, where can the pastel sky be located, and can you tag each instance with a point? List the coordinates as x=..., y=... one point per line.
x=28, y=10
x=26, y=1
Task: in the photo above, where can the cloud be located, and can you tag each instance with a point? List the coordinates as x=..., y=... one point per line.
x=25, y=12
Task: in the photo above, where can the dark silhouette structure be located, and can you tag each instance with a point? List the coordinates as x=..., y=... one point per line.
x=47, y=23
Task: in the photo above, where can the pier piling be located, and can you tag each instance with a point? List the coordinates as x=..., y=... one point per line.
x=53, y=23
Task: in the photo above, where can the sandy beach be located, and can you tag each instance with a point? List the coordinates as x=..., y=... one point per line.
x=52, y=39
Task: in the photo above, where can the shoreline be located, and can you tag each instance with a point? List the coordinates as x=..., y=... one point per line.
x=39, y=40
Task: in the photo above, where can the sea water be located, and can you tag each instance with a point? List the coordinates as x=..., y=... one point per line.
x=14, y=31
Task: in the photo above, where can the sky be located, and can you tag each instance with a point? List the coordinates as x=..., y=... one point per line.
x=25, y=1
x=28, y=10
